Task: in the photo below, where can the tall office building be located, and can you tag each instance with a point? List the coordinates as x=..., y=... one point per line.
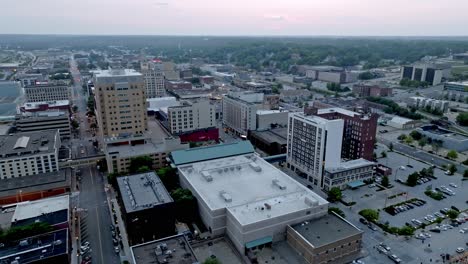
x=314, y=143
x=191, y=116
x=239, y=111
x=154, y=80
x=120, y=102
x=432, y=74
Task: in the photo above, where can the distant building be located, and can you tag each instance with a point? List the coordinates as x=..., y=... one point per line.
x=62, y=105
x=314, y=144
x=46, y=92
x=144, y=200
x=170, y=250
x=348, y=174
x=239, y=111
x=154, y=82
x=30, y=153
x=330, y=74
x=267, y=119
x=272, y=141
x=457, y=91
x=30, y=79
x=40, y=121
x=120, y=102
x=429, y=103
x=359, y=133
x=460, y=56
x=290, y=96
x=432, y=74
x=248, y=199
x=364, y=90
x=206, y=79
x=329, y=239
x=178, y=85
x=186, y=74
x=402, y=123
x=450, y=139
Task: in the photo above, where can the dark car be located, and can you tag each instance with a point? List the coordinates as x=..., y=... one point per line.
x=455, y=208
x=364, y=221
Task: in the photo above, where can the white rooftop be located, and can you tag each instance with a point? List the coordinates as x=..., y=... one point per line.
x=162, y=103
x=268, y=112
x=116, y=73
x=244, y=184
x=337, y=110
x=400, y=120
x=30, y=209
x=34, y=105
x=311, y=118
x=351, y=164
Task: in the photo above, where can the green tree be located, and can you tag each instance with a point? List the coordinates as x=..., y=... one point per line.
x=462, y=119
x=212, y=261
x=416, y=135
x=337, y=211
x=168, y=176
x=402, y=137
x=334, y=194
x=370, y=214
x=452, y=154
x=408, y=140
x=385, y=181
x=422, y=142
x=139, y=162
x=406, y=231
x=465, y=174
x=452, y=169
x=75, y=108
x=412, y=179
x=75, y=124
x=186, y=205
x=383, y=154
x=452, y=214
x=143, y=169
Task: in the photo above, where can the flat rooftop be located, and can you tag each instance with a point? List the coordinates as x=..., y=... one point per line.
x=337, y=110
x=278, y=135
x=42, y=116
x=142, y=191
x=117, y=76
x=40, y=248
x=158, y=251
x=116, y=73
x=245, y=184
x=269, y=112
x=192, y=155
x=326, y=230
x=35, y=105
x=31, y=209
x=28, y=143
x=349, y=165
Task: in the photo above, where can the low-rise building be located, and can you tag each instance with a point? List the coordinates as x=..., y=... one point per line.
x=248, y=199
x=348, y=174
x=46, y=92
x=178, y=85
x=61, y=105
x=267, y=119
x=191, y=116
x=403, y=123
x=47, y=120
x=329, y=239
x=457, y=91
x=144, y=199
x=170, y=250
x=429, y=104
x=272, y=141
x=29, y=153
x=450, y=140
x=364, y=90
x=28, y=79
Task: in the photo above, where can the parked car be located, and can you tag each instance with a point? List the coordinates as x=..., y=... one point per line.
x=385, y=246
x=394, y=258
x=460, y=250
x=382, y=250
x=364, y=221
x=453, y=185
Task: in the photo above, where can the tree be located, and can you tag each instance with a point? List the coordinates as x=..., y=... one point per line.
x=462, y=119
x=465, y=174
x=370, y=214
x=75, y=108
x=416, y=135
x=75, y=124
x=143, y=169
x=406, y=230
x=366, y=75
x=402, y=137
x=212, y=261
x=452, y=169
x=334, y=194
x=186, y=205
x=385, y=181
x=169, y=178
x=337, y=211
x=452, y=214
x=383, y=154
x=390, y=147
x=422, y=142
x=412, y=179
x=452, y=154
x=139, y=162
x=409, y=140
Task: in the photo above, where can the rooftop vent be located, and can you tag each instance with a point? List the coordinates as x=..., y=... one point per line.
x=310, y=202
x=206, y=175
x=267, y=206
x=255, y=167
x=226, y=197
x=279, y=184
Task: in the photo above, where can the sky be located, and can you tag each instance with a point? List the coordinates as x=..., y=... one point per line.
x=236, y=17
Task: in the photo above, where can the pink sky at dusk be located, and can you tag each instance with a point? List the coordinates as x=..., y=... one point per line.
x=236, y=17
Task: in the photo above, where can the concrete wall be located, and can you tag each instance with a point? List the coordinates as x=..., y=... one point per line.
x=264, y=121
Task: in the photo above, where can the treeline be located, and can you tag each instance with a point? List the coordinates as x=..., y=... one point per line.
x=395, y=109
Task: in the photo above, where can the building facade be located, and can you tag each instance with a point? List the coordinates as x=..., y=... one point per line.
x=314, y=143
x=431, y=74
x=45, y=92
x=363, y=90
x=457, y=91
x=191, y=116
x=120, y=97
x=40, y=121
x=429, y=104
x=154, y=83
x=347, y=172
x=239, y=111
x=31, y=153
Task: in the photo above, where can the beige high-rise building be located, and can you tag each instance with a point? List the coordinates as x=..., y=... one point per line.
x=120, y=102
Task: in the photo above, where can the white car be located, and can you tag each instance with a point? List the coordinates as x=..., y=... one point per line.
x=453, y=185
x=460, y=250
x=462, y=231
x=402, y=168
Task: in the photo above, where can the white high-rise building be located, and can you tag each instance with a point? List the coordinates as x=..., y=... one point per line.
x=191, y=115
x=314, y=143
x=240, y=109
x=154, y=82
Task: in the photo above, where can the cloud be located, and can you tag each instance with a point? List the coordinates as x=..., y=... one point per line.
x=275, y=17
x=161, y=4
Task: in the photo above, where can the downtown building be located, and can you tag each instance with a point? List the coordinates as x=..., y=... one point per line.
x=46, y=92
x=47, y=120
x=432, y=74
x=239, y=111
x=154, y=80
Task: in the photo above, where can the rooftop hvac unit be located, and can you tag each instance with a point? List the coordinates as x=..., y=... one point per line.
x=226, y=197
x=267, y=206
x=226, y=169
x=206, y=175
x=310, y=202
x=255, y=166
x=238, y=167
x=279, y=184
x=232, y=168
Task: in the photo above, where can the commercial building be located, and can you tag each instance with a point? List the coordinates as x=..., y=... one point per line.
x=432, y=74
x=351, y=173
x=329, y=239
x=191, y=116
x=170, y=250
x=154, y=82
x=429, y=104
x=460, y=56
x=206, y=79
x=29, y=153
x=118, y=156
x=144, y=200
x=457, y=91
x=46, y=92
x=120, y=97
x=61, y=105
x=40, y=121
x=450, y=140
x=364, y=90
x=314, y=143
x=290, y=96
x=267, y=119
x=248, y=199
x=272, y=141
x=178, y=85
x=330, y=74
x=29, y=79
x=358, y=134
x=402, y=123
x=239, y=111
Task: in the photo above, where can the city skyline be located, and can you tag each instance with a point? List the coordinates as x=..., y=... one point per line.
x=262, y=17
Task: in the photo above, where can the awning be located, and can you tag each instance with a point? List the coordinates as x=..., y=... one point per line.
x=356, y=184
x=258, y=242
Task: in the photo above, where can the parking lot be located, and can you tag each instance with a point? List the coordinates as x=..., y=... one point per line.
x=409, y=250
